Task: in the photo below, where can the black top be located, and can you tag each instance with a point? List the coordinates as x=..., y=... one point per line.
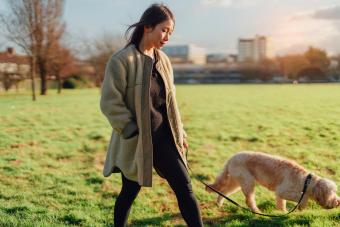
x=162, y=139
x=160, y=128
x=158, y=105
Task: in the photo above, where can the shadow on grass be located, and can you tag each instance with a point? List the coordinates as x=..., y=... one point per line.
x=252, y=220
x=237, y=217
x=156, y=221
x=227, y=220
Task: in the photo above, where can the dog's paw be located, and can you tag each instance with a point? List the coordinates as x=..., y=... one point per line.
x=255, y=209
x=219, y=201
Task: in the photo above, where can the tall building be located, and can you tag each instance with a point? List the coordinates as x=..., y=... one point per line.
x=187, y=53
x=255, y=49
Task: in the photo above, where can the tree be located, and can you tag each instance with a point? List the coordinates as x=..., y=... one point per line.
x=9, y=79
x=317, y=58
x=99, y=51
x=59, y=59
x=291, y=65
x=335, y=71
x=312, y=73
x=36, y=26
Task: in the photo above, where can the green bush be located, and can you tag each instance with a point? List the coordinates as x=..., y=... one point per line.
x=76, y=82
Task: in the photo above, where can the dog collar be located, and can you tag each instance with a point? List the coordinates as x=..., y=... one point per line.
x=307, y=183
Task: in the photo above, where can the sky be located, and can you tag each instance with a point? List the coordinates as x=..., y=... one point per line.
x=216, y=25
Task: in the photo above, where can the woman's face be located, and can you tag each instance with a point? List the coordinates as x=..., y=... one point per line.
x=160, y=34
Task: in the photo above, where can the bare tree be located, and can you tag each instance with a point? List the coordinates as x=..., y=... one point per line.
x=36, y=26
x=9, y=79
x=99, y=51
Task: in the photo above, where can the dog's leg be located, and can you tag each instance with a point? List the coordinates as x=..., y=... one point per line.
x=304, y=202
x=250, y=200
x=220, y=200
x=282, y=192
x=280, y=203
x=248, y=186
x=229, y=188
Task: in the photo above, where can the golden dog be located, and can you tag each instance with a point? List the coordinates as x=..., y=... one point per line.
x=284, y=177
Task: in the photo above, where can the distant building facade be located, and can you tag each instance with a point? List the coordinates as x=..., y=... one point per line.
x=187, y=53
x=11, y=63
x=15, y=70
x=216, y=58
x=254, y=50
x=221, y=58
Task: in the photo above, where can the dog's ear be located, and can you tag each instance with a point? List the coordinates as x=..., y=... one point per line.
x=319, y=193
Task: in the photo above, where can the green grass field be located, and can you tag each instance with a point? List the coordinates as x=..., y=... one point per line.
x=52, y=153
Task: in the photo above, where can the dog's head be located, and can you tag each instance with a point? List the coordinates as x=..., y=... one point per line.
x=324, y=193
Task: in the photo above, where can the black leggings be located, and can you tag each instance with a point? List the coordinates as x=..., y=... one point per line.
x=168, y=163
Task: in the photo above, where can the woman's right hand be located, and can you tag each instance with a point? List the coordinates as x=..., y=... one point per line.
x=130, y=130
x=185, y=143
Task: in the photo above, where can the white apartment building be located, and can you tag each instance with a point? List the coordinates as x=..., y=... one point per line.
x=187, y=53
x=255, y=49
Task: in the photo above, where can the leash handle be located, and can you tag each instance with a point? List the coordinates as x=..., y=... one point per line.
x=305, y=186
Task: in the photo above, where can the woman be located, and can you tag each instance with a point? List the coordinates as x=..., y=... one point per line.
x=138, y=98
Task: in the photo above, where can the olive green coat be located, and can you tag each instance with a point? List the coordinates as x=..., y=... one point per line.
x=125, y=102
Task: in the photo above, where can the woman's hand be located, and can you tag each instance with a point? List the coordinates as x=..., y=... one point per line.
x=185, y=143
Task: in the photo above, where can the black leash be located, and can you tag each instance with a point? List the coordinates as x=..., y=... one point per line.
x=305, y=186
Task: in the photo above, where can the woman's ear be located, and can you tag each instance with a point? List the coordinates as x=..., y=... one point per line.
x=147, y=28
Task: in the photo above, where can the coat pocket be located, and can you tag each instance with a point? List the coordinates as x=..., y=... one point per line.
x=129, y=147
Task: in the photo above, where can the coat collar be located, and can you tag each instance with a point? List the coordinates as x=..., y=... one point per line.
x=158, y=65
x=156, y=53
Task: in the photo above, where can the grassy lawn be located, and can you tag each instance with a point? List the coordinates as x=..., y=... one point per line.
x=52, y=153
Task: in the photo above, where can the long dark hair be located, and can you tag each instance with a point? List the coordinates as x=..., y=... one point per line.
x=155, y=14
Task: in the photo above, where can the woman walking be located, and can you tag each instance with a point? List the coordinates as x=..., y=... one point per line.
x=138, y=99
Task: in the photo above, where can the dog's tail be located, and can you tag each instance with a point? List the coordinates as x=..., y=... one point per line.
x=221, y=179
x=225, y=172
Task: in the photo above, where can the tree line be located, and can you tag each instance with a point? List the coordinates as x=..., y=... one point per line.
x=312, y=65
x=37, y=27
